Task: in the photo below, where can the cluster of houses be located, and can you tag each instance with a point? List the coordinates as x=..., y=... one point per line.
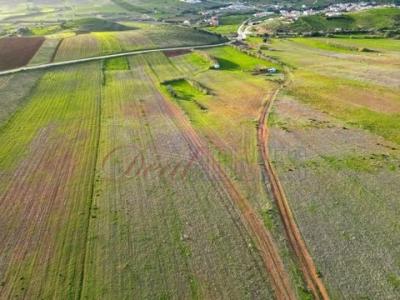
x=333, y=10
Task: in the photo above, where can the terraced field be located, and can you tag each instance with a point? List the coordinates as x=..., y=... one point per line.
x=335, y=144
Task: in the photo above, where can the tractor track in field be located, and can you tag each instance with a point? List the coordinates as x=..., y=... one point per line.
x=306, y=263
x=267, y=248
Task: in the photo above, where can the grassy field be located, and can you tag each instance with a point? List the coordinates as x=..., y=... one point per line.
x=223, y=106
x=335, y=144
x=14, y=92
x=47, y=162
x=146, y=37
x=116, y=192
x=156, y=218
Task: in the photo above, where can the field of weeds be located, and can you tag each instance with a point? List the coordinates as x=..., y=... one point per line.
x=223, y=106
x=335, y=144
x=154, y=202
x=107, y=191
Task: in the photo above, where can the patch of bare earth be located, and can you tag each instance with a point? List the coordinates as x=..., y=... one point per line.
x=16, y=52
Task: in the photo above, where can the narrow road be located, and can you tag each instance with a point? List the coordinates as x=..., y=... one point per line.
x=307, y=265
x=101, y=57
x=242, y=30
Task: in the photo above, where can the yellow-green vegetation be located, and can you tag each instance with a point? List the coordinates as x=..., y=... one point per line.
x=82, y=45
x=231, y=59
x=335, y=143
x=150, y=232
x=14, y=91
x=191, y=63
x=230, y=29
x=363, y=96
x=47, y=160
x=162, y=67
x=93, y=25
x=226, y=117
x=145, y=37
x=116, y=64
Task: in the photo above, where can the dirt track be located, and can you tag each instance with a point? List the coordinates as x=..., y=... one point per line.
x=279, y=278
x=310, y=274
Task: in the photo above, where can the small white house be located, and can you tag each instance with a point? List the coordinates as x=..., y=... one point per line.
x=271, y=70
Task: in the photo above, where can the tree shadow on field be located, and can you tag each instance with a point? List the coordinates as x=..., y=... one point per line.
x=227, y=64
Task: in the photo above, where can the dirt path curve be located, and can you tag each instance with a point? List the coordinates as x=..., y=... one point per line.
x=310, y=274
x=269, y=252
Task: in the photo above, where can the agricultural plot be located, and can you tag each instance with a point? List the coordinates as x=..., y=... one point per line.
x=14, y=92
x=224, y=106
x=16, y=52
x=190, y=63
x=162, y=224
x=46, y=52
x=83, y=45
x=47, y=160
x=162, y=67
x=335, y=144
x=106, y=190
x=146, y=37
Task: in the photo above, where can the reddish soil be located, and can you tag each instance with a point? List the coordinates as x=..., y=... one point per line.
x=263, y=239
x=16, y=52
x=310, y=274
x=176, y=53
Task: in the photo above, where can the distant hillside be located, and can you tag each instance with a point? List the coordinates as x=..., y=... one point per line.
x=94, y=25
x=374, y=19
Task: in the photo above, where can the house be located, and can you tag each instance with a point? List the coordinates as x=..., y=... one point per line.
x=214, y=21
x=271, y=70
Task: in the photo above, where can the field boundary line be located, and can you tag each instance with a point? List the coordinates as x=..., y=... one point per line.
x=307, y=265
x=92, y=189
x=54, y=54
x=101, y=57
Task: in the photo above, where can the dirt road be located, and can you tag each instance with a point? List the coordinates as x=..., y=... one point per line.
x=269, y=252
x=310, y=274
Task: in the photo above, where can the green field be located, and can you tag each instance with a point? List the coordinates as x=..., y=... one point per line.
x=198, y=173
x=102, y=185
x=335, y=143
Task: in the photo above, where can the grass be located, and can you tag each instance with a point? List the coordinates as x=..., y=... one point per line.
x=159, y=240
x=191, y=63
x=51, y=139
x=339, y=115
x=117, y=64
x=231, y=59
x=94, y=25
x=145, y=37
x=14, y=91
x=321, y=91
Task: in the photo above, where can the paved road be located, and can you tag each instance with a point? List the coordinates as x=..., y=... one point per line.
x=95, y=58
